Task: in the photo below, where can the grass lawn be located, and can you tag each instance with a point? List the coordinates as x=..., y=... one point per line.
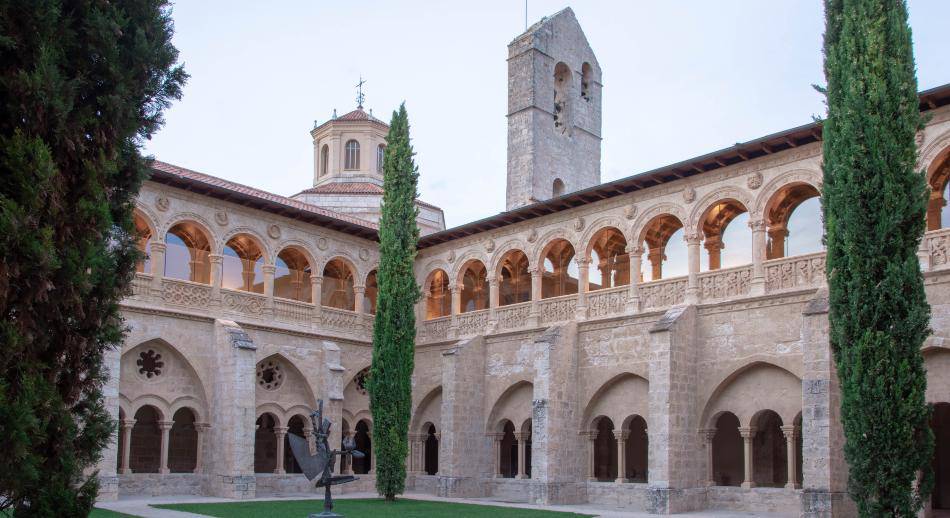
x=356, y=508
x=105, y=513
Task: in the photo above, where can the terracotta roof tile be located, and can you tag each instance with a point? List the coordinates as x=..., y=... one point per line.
x=344, y=188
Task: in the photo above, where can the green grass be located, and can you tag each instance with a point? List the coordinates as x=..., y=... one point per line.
x=356, y=508
x=105, y=513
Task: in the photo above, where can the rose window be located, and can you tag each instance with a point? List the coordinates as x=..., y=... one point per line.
x=150, y=364
x=270, y=375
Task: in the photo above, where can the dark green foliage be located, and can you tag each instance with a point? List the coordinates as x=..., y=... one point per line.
x=81, y=84
x=390, y=384
x=874, y=207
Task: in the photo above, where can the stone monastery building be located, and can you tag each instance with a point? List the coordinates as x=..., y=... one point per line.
x=658, y=342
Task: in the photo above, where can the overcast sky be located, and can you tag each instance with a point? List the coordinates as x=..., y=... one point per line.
x=681, y=78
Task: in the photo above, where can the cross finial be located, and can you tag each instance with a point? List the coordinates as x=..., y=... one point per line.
x=359, y=93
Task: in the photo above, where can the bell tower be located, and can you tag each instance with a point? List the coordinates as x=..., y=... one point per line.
x=554, y=111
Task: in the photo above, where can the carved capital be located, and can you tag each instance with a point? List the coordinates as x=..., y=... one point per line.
x=757, y=225
x=157, y=246
x=268, y=269
x=165, y=425
x=747, y=432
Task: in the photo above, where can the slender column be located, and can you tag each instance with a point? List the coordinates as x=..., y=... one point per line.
x=522, y=438
x=216, y=261
x=456, y=290
x=493, y=297
x=157, y=256
x=621, y=436
x=656, y=257
x=372, y=458
x=583, y=285
x=496, y=438
x=165, y=427
x=535, y=313
x=714, y=246
x=708, y=435
x=591, y=454
x=126, y=427
x=280, y=432
x=748, y=434
x=316, y=295
x=200, y=430
x=358, y=293
x=692, y=260
x=757, y=285
x=268, y=270
x=791, y=444
x=633, y=297
x=347, y=469
x=776, y=242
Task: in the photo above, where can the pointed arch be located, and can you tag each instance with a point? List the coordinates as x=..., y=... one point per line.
x=752, y=387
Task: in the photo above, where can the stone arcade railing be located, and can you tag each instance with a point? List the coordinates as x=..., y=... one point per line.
x=513, y=316
x=435, y=330
x=243, y=302
x=186, y=293
x=936, y=246
x=292, y=311
x=663, y=293
x=557, y=309
x=347, y=322
x=725, y=284
x=141, y=285
x=794, y=273
x=608, y=302
x=472, y=323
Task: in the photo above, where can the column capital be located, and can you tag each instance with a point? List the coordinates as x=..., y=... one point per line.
x=126, y=423
x=497, y=436
x=634, y=250
x=790, y=431
x=157, y=246
x=747, y=432
x=165, y=425
x=215, y=258
x=582, y=262
x=522, y=436
x=280, y=430
x=202, y=427
x=621, y=435
x=268, y=269
x=316, y=279
x=492, y=280
x=708, y=433
x=757, y=225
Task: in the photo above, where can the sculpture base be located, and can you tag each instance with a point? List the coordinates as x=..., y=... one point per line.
x=326, y=514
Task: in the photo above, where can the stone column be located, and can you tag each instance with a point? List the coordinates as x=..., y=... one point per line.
x=748, y=434
x=621, y=436
x=165, y=427
x=316, y=296
x=199, y=449
x=693, y=240
x=496, y=438
x=708, y=435
x=583, y=285
x=633, y=297
x=714, y=246
x=591, y=454
x=534, y=317
x=216, y=262
x=269, y=270
x=359, y=293
x=493, y=297
x=757, y=284
x=522, y=438
x=157, y=253
x=456, y=292
x=791, y=440
x=372, y=458
x=280, y=432
x=656, y=258
x=346, y=468
x=777, y=235
x=126, y=430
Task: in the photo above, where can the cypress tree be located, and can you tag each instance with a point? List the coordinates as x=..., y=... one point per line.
x=82, y=83
x=390, y=380
x=874, y=204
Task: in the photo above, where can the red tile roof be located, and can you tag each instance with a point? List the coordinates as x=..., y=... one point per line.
x=344, y=188
x=219, y=188
x=357, y=115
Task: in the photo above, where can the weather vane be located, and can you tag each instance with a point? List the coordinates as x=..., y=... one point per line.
x=359, y=93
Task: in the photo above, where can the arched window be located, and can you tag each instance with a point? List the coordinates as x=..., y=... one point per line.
x=186, y=254
x=769, y=452
x=369, y=294
x=636, y=450
x=243, y=265
x=665, y=247
x=562, y=98
x=324, y=160
x=144, y=241
x=609, y=261
x=361, y=466
x=557, y=188
x=938, y=213
x=587, y=76
x=351, y=157
x=380, y=155
x=474, y=287
x=605, y=450
x=514, y=283
x=559, y=274
x=728, y=454
x=431, y=451
x=145, y=445
x=292, y=276
x=183, y=442
x=296, y=425
x=265, y=444
x=793, y=222
x=727, y=237
x=438, y=296
x=338, y=285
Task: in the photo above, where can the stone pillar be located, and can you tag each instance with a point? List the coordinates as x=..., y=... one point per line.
x=372, y=458
x=591, y=454
x=693, y=240
x=656, y=258
x=714, y=246
x=456, y=292
x=776, y=246
x=534, y=317
x=465, y=453
x=748, y=434
x=125, y=427
x=346, y=468
x=583, y=285
x=621, y=436
x=216, y=262
x=633, y=297
x=824, y=470
x=280, y=432
x=316, y=296
x=165, y=427
x=268, y=270
x=157, y=257
x=757, y=284
x=708, y=435
x=493, y=296
x=200, y=429
x=496, y=438
x=791, y=438
x=233, y=412
x=110, y=454
x=359, y=292
x=522, y=438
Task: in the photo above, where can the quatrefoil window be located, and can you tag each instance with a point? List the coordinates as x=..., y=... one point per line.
x=150, y=364
x=270, y=375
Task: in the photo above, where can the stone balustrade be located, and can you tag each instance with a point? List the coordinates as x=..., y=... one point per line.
x=558, y=309
x=663, y=293
x=607, y=302
x=513, y=316
x=726, y=283
x=795, y=273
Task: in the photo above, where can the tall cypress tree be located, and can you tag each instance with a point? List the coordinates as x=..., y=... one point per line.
x=390, y=380
x=82, y=83
x=874, y=206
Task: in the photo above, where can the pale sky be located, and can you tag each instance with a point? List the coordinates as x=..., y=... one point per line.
x=681, y=78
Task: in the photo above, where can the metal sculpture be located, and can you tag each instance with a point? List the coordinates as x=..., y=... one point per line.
x=320, y=465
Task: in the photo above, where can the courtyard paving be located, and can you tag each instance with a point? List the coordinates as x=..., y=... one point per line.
x=141, y=506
